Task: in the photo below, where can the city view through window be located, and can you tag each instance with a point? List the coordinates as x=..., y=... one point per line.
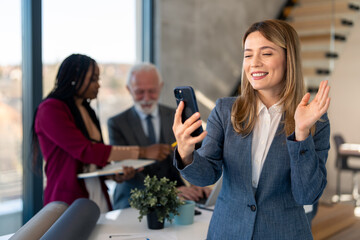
x=10, y=107
x=104, y=30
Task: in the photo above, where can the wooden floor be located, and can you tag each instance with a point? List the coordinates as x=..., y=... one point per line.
x=336, y=221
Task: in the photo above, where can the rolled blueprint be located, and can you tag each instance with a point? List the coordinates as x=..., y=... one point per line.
x=37, y=226
x=76, y=223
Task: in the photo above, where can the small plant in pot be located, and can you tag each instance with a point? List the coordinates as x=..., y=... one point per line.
x=158, y=201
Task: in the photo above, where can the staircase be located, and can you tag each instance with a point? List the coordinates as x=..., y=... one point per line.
x=323, y=26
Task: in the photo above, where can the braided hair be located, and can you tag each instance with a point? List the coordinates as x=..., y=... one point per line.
x=69, y=79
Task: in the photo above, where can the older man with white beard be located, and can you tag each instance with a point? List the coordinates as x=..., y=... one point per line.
x=146, y=123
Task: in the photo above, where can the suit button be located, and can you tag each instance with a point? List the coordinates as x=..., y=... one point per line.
x=253, y=208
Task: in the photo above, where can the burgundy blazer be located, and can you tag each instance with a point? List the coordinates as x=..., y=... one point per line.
x=65, y=149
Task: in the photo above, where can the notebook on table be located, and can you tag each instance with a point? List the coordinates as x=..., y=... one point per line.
x=117, y=167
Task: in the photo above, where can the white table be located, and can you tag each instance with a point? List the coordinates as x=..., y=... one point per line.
x=6, y=237
x=125, y=222
x=350, y=149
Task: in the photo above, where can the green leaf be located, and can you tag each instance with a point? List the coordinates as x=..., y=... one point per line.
x=159, y=195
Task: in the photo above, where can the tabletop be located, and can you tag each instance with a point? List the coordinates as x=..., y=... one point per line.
x=124, y=224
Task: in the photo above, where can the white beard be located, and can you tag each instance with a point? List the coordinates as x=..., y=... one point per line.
x=148, y=110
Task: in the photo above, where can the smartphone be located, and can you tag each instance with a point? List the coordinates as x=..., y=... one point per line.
x=187, y=95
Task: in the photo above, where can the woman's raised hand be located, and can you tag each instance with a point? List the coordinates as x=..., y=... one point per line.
x=182, y=131
x=306, y=114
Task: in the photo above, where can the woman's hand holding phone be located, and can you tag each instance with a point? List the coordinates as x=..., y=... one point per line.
x=182, y=131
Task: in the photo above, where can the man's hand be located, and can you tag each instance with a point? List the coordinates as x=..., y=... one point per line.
x=128, y=173
x=194, y=193
x=158, y=152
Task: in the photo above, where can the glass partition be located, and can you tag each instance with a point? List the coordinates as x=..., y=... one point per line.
x=105, y=30
x=10, y=116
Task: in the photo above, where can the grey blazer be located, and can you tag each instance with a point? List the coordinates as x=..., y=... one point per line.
x=293, y=175
x=126, y=129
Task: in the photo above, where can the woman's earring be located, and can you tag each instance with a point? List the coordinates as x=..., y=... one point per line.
x=73, y=83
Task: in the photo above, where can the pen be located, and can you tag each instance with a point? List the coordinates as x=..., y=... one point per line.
x=127, y=236
x=205, y=208
x=174, y=144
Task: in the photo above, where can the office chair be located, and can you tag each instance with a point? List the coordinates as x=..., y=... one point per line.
x=341, y=164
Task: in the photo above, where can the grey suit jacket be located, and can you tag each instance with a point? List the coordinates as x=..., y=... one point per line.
x=293, y=175
x=126, y=129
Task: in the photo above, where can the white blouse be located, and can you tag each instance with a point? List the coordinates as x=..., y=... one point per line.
x=263, y=134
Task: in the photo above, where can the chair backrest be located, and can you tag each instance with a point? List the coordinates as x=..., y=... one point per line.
x=338, y=141
x=341, y=160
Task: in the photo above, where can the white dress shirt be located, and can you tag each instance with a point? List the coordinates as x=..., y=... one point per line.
x=263, y=134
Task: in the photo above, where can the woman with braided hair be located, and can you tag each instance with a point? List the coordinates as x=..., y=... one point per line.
x=68, y=133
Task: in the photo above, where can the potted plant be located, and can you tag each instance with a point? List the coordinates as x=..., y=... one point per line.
x=158, y=201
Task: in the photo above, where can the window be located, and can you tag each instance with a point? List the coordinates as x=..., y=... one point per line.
x=10, y=116
x=103, y=30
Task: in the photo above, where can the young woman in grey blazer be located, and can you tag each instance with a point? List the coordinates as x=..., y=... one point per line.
x=269, y=143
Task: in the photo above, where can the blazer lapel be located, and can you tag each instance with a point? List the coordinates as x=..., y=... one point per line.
x=272, y=163
x=240, y=153
x=135, y=125
x=248, y=140
x=166, y=121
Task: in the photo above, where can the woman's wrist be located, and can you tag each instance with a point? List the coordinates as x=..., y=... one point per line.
x=119, y=153
x=141, y=152
x=186, y=160
x=301, y=135
x=181, y=162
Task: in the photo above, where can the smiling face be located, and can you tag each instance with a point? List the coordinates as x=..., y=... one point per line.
x=145, y=88
x=90, y=86
x=264, y=65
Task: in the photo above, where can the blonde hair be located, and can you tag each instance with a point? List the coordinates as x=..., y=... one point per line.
x=243, y=114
